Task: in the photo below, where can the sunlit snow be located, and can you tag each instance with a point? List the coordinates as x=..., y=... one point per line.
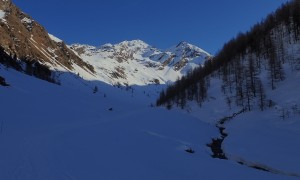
x=54, y=38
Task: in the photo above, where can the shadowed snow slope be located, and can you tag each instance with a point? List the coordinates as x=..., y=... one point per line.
x=55, y=132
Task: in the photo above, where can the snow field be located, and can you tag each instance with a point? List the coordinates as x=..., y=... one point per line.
x=56, y=132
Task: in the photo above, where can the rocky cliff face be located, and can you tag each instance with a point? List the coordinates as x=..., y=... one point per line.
x=26, y=40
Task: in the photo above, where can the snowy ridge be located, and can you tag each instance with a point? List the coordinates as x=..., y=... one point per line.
x=185, y=57
x=137, y=63
x=55, y=38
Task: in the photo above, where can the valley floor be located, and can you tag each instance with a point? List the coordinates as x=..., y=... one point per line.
x=52, y=132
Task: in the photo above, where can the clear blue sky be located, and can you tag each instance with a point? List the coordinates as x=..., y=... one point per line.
x=161, y=23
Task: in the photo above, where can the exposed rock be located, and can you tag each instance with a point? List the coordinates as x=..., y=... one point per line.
x=28, y=41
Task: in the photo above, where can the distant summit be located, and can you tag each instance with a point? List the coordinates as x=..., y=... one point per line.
x=31, y=49
x=136, y=62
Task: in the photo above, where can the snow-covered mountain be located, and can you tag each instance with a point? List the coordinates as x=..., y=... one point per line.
x=36, y=52
x=183, y=57
x=136, y=62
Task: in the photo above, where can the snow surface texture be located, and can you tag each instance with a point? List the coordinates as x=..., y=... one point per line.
x=137, y=63
x=57, y=132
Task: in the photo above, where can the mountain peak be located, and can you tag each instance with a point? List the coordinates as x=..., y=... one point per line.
x=136, y=41
x=133, y=43
x=183, y=43
x=184, y=47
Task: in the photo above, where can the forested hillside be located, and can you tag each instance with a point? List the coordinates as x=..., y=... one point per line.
x=248, y=64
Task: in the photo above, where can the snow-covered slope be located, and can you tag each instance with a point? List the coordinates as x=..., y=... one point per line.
x=137, y=63
x=55, y=132
x=265, y=139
